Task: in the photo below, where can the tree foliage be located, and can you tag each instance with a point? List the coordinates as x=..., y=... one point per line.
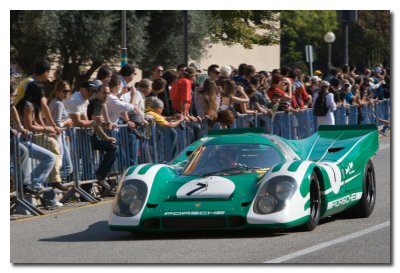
x=78, y=40
x=369, y=38
x=245, y=27
x=165, y=37
x=301, y=28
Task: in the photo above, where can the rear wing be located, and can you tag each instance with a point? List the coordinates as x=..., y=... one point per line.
x=331, y=142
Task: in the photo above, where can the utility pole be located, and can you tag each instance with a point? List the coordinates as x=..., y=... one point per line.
x=185, y=37
x=124, y=50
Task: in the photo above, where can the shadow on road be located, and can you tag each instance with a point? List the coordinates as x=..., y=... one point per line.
x=99, y=232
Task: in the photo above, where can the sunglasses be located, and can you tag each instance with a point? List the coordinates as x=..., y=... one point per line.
x=66, y=91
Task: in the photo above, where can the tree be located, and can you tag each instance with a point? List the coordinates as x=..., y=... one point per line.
x=165, y=37
x=80, y=41
x=305, y=27
x=245, y=27
x=370, y=38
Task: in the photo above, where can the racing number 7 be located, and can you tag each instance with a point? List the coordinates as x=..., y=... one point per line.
x=201, y=186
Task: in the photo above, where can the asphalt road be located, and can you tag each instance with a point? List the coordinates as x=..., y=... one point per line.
x=81, y=236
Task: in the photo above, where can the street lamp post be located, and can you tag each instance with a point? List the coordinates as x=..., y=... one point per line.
x=329, y=38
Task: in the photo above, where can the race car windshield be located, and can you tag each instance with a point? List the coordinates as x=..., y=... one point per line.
x=231, y=159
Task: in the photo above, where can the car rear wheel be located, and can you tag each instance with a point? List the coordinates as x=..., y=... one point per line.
x=367, y=203
x=315, y=204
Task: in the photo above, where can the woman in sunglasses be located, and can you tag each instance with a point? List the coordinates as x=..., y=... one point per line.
x=62, y=91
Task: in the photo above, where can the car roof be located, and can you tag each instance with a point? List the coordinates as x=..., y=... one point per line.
x=249, y=138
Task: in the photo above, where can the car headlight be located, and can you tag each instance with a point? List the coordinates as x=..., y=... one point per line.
x=284, y=189
x=273, y=195
x=130, y=198
x=266, y=204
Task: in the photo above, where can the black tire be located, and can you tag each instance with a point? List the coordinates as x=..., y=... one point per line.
x=315, y=204
x=367, y=202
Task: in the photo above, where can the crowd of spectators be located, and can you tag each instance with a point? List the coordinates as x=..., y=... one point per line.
x=167, y=98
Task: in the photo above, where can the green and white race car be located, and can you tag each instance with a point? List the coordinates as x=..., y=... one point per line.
x=236, y=179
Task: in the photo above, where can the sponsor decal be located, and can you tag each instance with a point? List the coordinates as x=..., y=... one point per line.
x=344, y=200
x=348, y=169
x=193, y=213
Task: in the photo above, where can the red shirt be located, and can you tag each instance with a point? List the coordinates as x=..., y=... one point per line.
x=181, y=94
x=271, y=91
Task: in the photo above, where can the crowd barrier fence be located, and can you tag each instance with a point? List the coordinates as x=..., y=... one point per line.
x=161, y=144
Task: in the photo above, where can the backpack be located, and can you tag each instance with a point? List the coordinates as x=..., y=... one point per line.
x=320, y=108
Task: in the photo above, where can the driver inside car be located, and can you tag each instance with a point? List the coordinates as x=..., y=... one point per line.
x=226, y=159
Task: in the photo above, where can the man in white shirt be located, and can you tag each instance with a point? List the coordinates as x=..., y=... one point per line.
x=76, y=105
x=117, y=108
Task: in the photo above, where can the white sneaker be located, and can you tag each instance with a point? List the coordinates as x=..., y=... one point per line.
x=58, y=204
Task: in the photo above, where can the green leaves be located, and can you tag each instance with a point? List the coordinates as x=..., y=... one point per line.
x=245, y=27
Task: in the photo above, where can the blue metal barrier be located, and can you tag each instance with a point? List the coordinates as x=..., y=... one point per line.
x=158, y=143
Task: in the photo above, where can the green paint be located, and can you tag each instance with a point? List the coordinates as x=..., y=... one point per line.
x=145, y=168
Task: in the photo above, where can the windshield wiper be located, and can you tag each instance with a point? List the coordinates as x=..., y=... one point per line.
x=239, y=167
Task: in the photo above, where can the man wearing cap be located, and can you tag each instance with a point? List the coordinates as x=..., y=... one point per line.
x=314, y=87
x=323, y=97
x=76, y=105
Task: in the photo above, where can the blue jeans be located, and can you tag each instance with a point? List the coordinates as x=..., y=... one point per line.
x=22, y=155
x=46, y=160
x=66, y=157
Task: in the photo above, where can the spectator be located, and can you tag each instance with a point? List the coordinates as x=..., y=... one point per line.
x=29, y=108
x=352, y=71
x=157, y=87
x=32, y=181
x=249, y=71
x=334, y=89
x=155, y=111
x=40, y=74
x=318, y=73
x=240, y=73
x=116, y=108
x=136, y=98
x=346, y=95
x=76, y=105
x=286, y=83
x=274, y=105
x=300, y=98
x=264, y=82
x=200, y=77
x=213, y=72
x=127, y=74
x=157, y=72
x=170, y=77
x=324, y=105
x=181, y=92
x=225, y=72
x=206, y=101
x=61, y=92
x=276, y=84
x=314, y=87
x=180, y=69
x=100, y=140
x=228, y=97
x=103, y=75
x=14, y=77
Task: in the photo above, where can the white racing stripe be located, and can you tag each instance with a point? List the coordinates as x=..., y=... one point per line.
x=329, y=243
